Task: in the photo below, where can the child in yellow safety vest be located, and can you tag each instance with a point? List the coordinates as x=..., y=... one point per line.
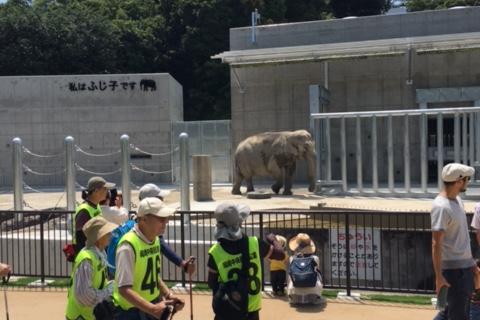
x=278, y=270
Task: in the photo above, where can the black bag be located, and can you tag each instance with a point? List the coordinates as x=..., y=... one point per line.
x=231, y=299
x=302, y=272
x=105, y=310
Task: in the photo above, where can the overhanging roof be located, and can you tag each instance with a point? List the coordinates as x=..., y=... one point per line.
x=347, y=50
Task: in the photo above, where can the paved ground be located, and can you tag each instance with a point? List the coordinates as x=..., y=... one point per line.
x=51, y=305
x=301, y=199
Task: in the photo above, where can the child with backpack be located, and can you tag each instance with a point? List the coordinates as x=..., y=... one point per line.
x=304, y=277
x=278, y=269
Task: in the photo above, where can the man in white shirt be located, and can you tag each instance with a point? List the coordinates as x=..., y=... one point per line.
x=451, y=252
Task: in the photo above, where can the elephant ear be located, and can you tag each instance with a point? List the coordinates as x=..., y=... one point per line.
x=284, y=152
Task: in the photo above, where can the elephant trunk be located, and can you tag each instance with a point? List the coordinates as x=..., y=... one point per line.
x=311, y=171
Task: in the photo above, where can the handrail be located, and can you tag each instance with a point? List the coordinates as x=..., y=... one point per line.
x=386, y=113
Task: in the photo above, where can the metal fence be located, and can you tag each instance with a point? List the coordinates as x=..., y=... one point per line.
x=408, y=147
x=358, y=250
x=211, y=137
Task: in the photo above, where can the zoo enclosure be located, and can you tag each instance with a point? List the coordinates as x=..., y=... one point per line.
x=398, y=144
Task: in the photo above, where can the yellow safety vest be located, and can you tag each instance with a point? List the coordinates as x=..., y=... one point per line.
x=74, y=309
x=229, y=266
x=146, y=270
x=92, y=212
x=278, y=265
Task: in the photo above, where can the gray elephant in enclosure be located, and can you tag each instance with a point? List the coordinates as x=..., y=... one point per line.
x=269, y=154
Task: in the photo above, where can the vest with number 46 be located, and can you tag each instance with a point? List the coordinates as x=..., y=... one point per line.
x=229, y=266
x=146, y=270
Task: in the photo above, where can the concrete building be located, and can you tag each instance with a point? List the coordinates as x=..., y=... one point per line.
x=96, y=110
x=416, y=60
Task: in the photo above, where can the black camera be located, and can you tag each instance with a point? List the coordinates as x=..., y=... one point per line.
x=113, y=196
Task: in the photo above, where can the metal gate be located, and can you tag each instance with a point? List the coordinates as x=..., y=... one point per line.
x=206, y=137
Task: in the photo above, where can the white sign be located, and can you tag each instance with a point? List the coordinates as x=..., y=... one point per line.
x=365, y=254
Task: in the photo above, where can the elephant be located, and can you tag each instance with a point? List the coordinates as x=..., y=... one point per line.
x=272, y=154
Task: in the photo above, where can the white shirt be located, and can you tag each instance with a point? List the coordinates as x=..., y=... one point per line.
x=115, y=214
x=125, y=259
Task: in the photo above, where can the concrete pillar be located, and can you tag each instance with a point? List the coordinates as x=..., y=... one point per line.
x=202, y=177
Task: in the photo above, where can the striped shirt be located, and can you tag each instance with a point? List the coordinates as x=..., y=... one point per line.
x=84, y=292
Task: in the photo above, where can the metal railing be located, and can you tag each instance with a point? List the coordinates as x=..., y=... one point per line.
x=401, y=131
x=358, y=250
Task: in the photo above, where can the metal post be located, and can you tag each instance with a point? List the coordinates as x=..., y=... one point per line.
x=343, y=147
x=406, y=152
x=347, y=253
x=439, y=150
x=456, y=137
x=471, y=138
x=477, y=132
x=423, y=152
x=374, y=155
x=125, y=150
x=184, y=174
x=359, y=155
x=17, y=174
x=464, y=139
x=390, y=154
x=182, y=241
x=42, y=251
x=328, y=150
x=70, y=173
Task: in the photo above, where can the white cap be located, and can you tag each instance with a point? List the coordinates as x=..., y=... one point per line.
x=154, y=206
x=456, y=171
x=151, y=190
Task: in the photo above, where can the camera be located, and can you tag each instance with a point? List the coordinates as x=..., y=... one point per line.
x=112, y=193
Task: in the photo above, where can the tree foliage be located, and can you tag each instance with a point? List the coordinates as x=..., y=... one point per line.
x=47, y=37
x=420, y=5
x=345, y=8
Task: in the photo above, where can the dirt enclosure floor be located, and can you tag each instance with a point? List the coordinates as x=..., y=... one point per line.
x=25, y=305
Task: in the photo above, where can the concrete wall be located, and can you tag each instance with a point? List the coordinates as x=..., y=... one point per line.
x=96, y=110
x=414, y=24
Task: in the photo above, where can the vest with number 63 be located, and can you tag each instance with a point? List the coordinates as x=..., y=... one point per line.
x=146, y=270
x=229, y=266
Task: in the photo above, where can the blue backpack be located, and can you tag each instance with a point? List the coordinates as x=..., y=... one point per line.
x=117, y=234
x=302, y=272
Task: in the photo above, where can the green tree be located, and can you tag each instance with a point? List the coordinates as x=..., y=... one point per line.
x=305, y=10
x=345, y=8
x=420, y=5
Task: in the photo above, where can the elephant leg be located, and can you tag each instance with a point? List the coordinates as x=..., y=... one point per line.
x=289, y=172
x=237, y=183
x=278, y=184
x=249, y=184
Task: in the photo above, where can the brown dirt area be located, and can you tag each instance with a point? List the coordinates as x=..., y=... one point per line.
x=25, y=305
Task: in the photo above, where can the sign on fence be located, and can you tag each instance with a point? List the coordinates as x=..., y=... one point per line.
x=365, y=254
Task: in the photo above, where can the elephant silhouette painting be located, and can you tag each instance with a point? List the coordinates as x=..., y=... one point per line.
x=148, y=85
x=272, y=153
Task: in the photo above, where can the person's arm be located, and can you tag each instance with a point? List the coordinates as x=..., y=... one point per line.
x=134, y=298
x=476, y=223
x=80, y=220
x=186, y=265
x=169, y=253
x=440, y=281
x=84, y=292
x=169, y=296
x=5, y=269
